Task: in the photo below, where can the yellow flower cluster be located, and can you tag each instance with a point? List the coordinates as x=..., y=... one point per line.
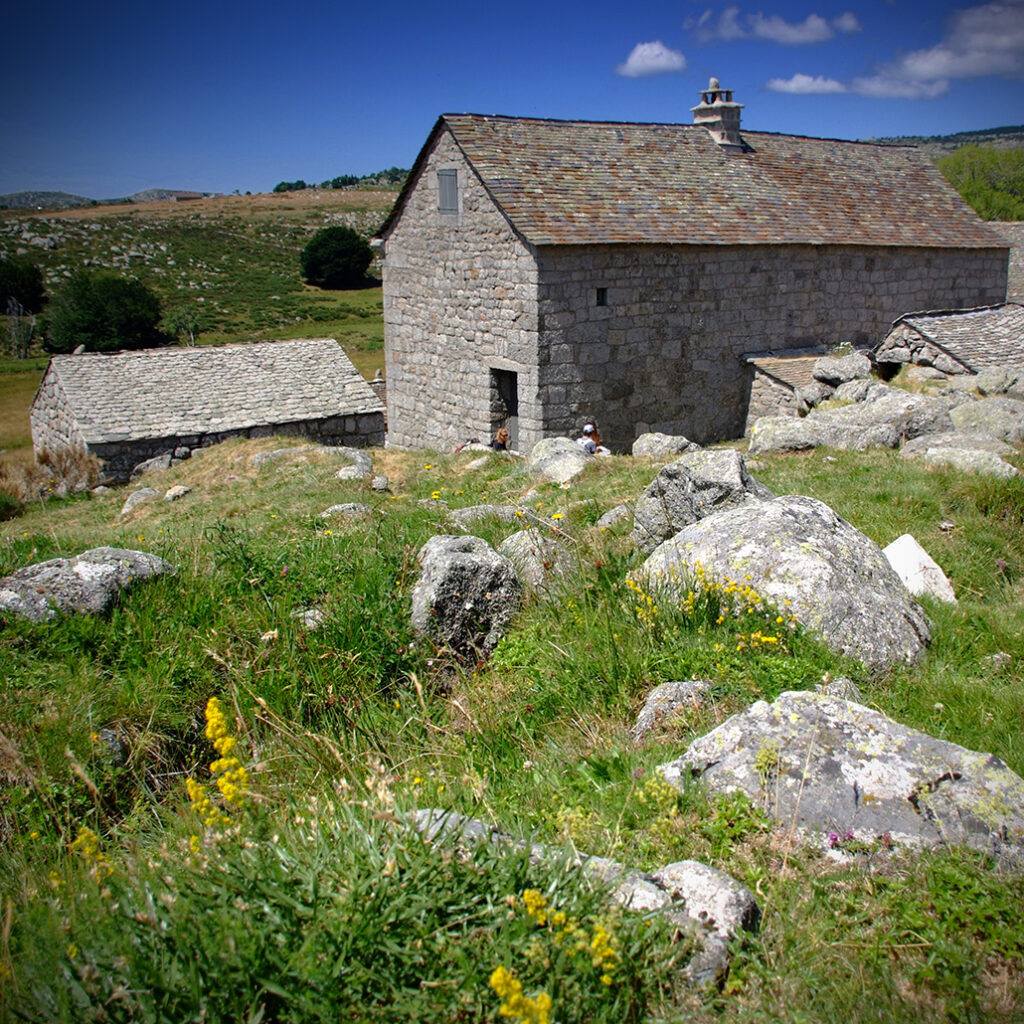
x=87, y=845
x=646, y=607
x=529, y=1010
x=228, y=772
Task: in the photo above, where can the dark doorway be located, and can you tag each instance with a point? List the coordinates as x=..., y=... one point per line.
x=505, y=404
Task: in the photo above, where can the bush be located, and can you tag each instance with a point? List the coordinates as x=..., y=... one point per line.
x=103, y=312
x=990, y=180
x=290, y=186
x=336, y=257
x=22, y=281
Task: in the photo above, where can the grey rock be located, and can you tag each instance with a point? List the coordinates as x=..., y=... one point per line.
x=466, y=593
x=663, y=445
x=860, y=390
x=838, y=370
x=969, y=458
x=799, y=555
x=918, y=570
x=137, y=498
x=998, y=417
x=464, y=518
x=153, y=465
x=921, y=374
x=955, y=439
x=117, y=748
x=182, y=453
x=301, y=451
x=311, y=618
x=689, y=489
x=100, y=489
x=845, y=689
x=87, y=584
x=665, y=700
x=1001, y=380
x=613, y=517
x=484, y=460
x=999, y=660
x=832, y=765
x=558, y=459
x=814, y=393
x=540, y=562
x=379, y=483
x=177, y=492
x=351, y=509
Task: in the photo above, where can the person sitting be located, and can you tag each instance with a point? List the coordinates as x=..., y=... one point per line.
x=590, y=442
x=500, y=442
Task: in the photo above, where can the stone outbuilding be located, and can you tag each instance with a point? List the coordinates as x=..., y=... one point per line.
x=127, y=407
x=955, y=341
x=539, y=274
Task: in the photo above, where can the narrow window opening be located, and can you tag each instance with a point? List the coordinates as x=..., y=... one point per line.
x=602, y=297
x=448, y=191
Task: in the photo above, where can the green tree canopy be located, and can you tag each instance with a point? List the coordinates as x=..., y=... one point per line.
x=991, y=180
x=336, y=257
x=103, y=312
x=21, y=280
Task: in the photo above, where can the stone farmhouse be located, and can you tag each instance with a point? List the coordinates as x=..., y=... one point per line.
x=127, y=407
x=539, y=274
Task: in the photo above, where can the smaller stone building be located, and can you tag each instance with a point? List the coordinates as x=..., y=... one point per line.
x=127, y=407
x=955, y=341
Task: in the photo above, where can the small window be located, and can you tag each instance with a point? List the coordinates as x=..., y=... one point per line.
x=448, y=191
x=602, y=297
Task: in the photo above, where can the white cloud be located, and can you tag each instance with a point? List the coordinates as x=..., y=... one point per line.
x=885, y=86
x=805, y=85
x=813, y=29
x=651, y=59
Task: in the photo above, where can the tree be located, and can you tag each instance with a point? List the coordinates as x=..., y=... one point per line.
x=991, y=180
x=336, y=257
x=184, y=322
x=21, y=280
x=103, y=312
x=290, y=186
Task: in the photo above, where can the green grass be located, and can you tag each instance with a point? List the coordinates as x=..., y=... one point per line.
x=314, y=901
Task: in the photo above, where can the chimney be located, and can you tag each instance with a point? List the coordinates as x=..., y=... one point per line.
x=717, y=112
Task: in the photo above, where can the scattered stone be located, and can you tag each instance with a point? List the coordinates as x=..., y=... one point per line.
x=836, y=370
x=860, y=390
x=464, y=518
x=663, y=445
x=379, y=484
x=296, y=452
x=484, y=460
x=137, y=498
x=153, y=465
x=956, y=439
x=558, y=459
x=614, y=516
x=351, y=509
x=311, y=618
x=919, y=572
x=176, y=492
x=1001, y=380
x=665, y=700
x=538, y=559
x=466, y=594
x=706, y=904
x=968, y=458
x=922, y=374
x=100, y=489
x=843, y=688
x=998, y=660
x=998, y=417
x=807, y=561
x=689, y=489
x=87, y=584
x=814, y=393
x=181, y=453
x=833, y=765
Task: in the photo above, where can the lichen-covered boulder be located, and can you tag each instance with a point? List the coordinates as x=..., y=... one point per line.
x=689, y=489
x=662, y=446
x=998, y=417
x=87, y=584
x=349, y=509
x=465, y=595
x=139, y=497
x=972, y=453
x=465, y=517
x=797, y=553
x=836, y=370
x=558, y=459
x=539, y=560
x=831, y=765
x=665, y=700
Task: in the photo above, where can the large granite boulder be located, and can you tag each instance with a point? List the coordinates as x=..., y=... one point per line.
x=663, y=446
x=836, y=370
x=998, y=417
x=87, y=584
x=973, y=453
x=1001, y=380
x=539, y=560
x=558, y=459
x=465, y=518
x=798, y=554
x=885, y=418
x=831, y=765
x=689, y=489
x=465, y=595
x=665, y=700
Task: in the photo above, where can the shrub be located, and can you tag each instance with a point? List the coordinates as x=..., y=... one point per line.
x=991, y=180
x=103, y=312
x=336, y=257
x=22, y=281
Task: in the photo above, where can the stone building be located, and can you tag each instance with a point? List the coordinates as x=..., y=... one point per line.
x=539, y=274
x=956, y=341
x=127, y=407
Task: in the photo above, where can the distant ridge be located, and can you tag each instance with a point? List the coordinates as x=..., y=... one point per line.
x=1008, y=137
x=68, y=200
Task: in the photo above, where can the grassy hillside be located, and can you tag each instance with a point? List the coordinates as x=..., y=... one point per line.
x=292, y=891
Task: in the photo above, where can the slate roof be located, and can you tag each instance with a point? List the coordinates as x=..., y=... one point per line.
x=794, y=371
x=991, y=336
x=585, y=182
x=179, y=391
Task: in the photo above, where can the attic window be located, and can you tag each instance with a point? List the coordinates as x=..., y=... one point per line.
x=448, y=191
x=602, y=297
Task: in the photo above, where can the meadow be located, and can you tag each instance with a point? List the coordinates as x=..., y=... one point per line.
x=206, y=798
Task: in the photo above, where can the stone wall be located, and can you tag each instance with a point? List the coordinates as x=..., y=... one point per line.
x=664, y=352
x=769, y=397
x=904, y=344
x=53, y=424
x=459, y=301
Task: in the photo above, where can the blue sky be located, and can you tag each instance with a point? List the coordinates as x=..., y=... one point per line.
x=108, y=98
